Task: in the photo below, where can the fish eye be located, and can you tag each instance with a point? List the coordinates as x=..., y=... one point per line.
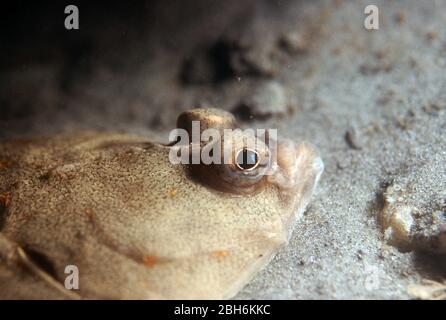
x=247, y=159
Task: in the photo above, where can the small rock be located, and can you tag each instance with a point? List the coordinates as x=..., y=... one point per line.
x=251, y=48
x=293, y=42
x=267, y=100
x=400, y=17
x=399, y=222
x=375, y=68
x=434, y=108
x=353, y=138
x=414, y=215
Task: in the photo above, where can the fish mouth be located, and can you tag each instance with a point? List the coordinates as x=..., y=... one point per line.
x=296, y=174
x=297, y=167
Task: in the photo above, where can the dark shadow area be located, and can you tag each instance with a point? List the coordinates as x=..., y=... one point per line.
x=430, y=266
x=42, y=262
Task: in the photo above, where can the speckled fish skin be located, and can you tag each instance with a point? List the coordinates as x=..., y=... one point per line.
x=136, y=225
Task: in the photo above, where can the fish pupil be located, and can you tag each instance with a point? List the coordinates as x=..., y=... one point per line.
x=247, y=159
